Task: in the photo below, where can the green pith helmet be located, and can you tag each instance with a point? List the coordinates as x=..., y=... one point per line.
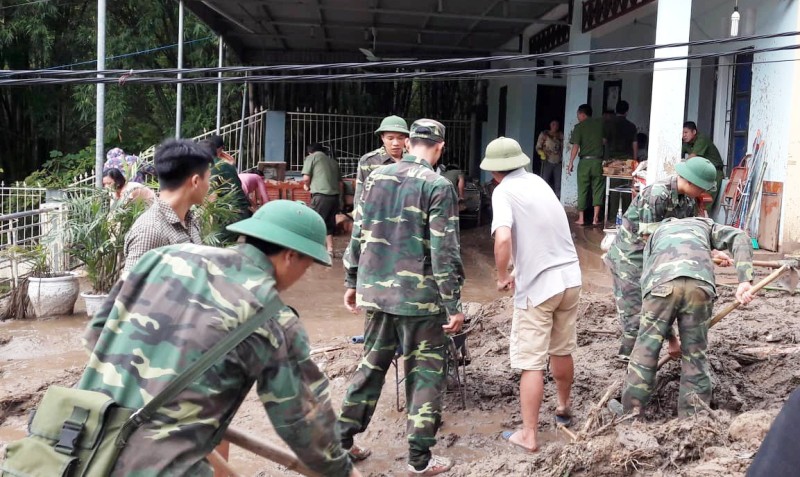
x=393, y=124
x=700, y=172
x=504, y=154
x=427, y=129
x=289, y=224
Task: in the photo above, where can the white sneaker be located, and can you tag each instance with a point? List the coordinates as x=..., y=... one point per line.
x=436, y=465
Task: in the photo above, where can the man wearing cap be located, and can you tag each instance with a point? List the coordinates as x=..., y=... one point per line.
x=678, y=286
x=587, y=141
x=672, y=197
x=403, y=265
x=698, y=144
x=176, y=303
x=393, y=132
x=546, y=282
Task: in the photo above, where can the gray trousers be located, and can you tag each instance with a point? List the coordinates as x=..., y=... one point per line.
x=551, y=173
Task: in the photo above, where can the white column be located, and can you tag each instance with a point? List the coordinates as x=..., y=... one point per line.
x=577, y=91
x=669, y=89
x=179, y=96
x=219, y=85
x=100, y=112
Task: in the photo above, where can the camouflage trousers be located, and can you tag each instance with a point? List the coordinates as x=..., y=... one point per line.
x=687, y=301
x=628, y=297
x=423, y=344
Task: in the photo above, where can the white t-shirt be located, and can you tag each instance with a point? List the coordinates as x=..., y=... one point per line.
x=543, y=253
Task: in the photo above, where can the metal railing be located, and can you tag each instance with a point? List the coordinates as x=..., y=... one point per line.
x=21, y=229
x=243, y=139
x=350, y=137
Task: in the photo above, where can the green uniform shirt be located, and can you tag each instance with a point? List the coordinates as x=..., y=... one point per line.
x=588, y=136
x=404, y=256
x=704, y=147
x=177, y=303
x=620, y=135
x=324, y=173
x=654, y=204
x=682, y=248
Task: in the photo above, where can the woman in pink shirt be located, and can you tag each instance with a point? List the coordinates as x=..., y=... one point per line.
x=255, y=189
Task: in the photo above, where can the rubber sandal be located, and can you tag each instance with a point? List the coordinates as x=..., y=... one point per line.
x=506, y=435
x=564, y=419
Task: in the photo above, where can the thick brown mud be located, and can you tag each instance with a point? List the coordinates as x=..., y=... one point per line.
x=754, y=370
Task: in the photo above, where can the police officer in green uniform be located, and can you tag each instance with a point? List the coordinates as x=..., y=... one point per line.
x=587, y=141
x=393, y=132
x=698, y=144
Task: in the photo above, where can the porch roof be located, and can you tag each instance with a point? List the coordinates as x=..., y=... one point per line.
x=266, y=31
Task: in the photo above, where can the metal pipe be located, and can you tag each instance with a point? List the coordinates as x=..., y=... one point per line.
x=179, y=98
x=241, y=126
x=219, y=85
x=100, y=124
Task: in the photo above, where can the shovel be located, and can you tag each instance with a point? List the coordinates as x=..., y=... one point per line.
x=786, y=272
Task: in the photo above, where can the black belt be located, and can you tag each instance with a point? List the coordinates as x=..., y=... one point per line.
x=591, y=157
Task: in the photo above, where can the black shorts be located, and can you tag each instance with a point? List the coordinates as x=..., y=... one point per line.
x=327, y=206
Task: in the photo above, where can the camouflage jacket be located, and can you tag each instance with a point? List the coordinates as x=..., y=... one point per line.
x=654, y=204
x=404, y=256
x=368, y=163
x=176, y=303
x=682, y=248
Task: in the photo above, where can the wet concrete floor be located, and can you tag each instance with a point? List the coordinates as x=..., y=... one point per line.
x=40, y=350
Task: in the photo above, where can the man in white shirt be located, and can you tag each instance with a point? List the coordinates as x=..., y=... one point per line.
x=531, y=228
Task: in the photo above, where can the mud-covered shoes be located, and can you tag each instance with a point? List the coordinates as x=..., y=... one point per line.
x=436, y=465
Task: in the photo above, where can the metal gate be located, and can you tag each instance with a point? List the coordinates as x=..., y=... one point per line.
x=350, y=137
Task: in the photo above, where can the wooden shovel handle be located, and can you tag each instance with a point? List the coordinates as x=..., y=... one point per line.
x=735, y=304
x=268, y=451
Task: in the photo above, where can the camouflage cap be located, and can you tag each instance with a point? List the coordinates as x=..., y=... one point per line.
x=700, y=172
x=289, y=224
x=393, y=124
x=427, y=129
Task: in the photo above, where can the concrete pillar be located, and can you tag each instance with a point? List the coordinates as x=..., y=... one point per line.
x=790, y=215
x=669, y=89
x=577, y=91
x=275, y=137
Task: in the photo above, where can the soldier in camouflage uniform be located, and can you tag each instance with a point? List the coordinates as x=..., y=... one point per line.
x=404, y=267
x=678, y=285
x=177, y=302
x=673, y=197
x=393, y=132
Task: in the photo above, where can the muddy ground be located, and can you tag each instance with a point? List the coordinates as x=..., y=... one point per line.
x=753, y=355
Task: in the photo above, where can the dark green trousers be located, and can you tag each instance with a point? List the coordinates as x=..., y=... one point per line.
x=683, y=300
x=423, y=344
x=590, y=178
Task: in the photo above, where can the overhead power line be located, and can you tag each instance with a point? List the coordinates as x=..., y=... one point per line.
x=475, y=73
x=395, y=64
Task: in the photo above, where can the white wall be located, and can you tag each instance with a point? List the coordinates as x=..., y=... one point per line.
x=774, y=84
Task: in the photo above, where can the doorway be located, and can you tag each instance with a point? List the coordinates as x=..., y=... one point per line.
x=550, y=104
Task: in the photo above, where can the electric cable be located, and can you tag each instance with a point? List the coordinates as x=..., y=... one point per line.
x=474, y=73
x=399, y=63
